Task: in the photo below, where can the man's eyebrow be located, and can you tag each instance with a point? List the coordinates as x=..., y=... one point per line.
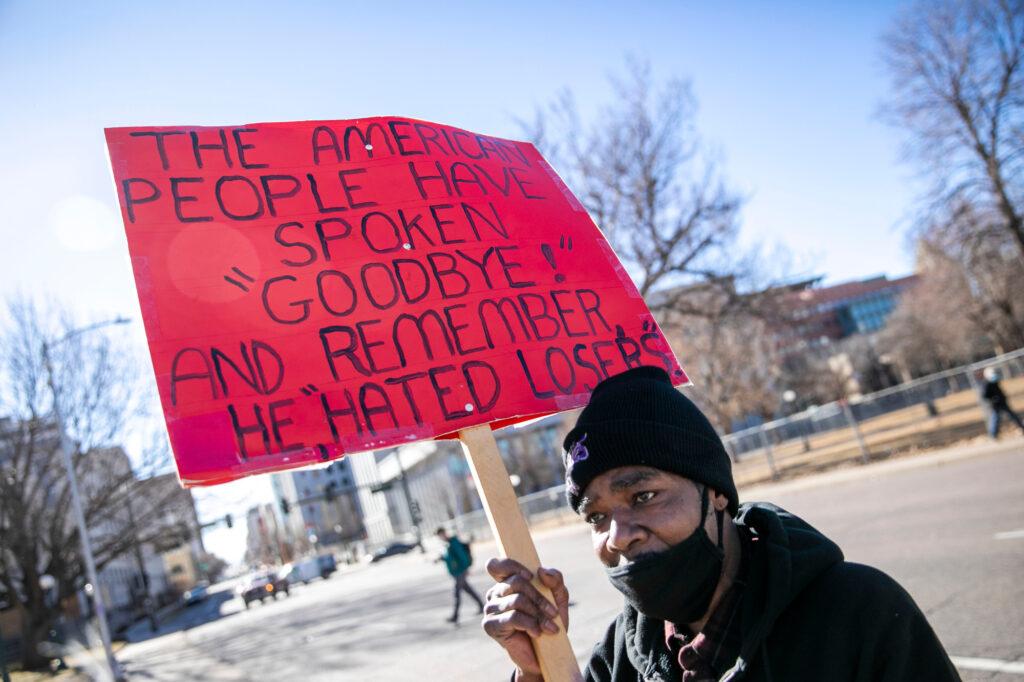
x=621, y=483
x=631, y=479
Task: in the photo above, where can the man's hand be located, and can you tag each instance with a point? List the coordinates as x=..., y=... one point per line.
x=516, y=609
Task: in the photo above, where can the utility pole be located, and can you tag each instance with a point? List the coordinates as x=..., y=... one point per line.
x=414, y=509
x=66, y=447
x=83, y=531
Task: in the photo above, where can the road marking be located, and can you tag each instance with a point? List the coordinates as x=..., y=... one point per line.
x=988, y=665
x=1010, y=535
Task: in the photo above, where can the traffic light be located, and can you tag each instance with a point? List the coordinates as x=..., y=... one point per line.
x=228, y=521
x=285, y=507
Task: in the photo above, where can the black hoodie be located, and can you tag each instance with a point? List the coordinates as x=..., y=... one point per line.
x=806, y=614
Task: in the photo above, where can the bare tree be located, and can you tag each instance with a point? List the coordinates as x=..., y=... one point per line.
x=958, y=90
x=950, y=317
x=95, y=381
x=729, y=349
x=644, y=175
x=813, y=379
x=984, y=271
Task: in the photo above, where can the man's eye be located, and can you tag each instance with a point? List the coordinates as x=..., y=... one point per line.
x=594, y=518
x=645, y=496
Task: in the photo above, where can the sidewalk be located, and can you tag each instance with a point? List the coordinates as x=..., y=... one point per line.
x=86, y=660
x=84, y=665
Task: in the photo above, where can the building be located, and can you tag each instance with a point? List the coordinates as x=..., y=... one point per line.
x=835, y=328
x=819, y=316
x=181, y=567
x=532, y=451
x=266, y=541
x=178, y=533
x=136, y=576
x=322, y=504
x=373, y=501
x=425, y=484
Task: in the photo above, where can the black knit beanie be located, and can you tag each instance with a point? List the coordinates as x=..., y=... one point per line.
x=639, y=418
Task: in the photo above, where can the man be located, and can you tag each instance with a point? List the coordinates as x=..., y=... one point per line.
x=457, y=559
x=714, y=590
x=993, y=395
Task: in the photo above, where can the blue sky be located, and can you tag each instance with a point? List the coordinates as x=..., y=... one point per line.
x=787, y=90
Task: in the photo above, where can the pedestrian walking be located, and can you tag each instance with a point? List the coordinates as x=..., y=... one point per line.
x=714, y=590
x=995, y=398
x=458, y=559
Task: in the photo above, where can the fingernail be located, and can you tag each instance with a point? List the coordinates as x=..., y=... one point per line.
x=549, y=609
x=550, y=626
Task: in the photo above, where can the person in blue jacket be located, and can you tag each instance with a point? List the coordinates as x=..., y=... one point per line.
x=457, y=558
x=714, y=590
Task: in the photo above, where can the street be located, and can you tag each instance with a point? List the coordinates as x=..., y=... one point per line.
x=949, y=527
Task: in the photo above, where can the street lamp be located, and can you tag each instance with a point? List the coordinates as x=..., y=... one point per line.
x=790, y=397
x=83, y=531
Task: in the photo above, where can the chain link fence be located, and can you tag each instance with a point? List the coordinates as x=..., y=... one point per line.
x=933, y=410
x=539, y=508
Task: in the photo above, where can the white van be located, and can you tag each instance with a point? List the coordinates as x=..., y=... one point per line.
x=303, y=571
x=313, y=567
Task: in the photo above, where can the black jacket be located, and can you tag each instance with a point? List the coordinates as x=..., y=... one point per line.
x=993, y=393
x=806, y=614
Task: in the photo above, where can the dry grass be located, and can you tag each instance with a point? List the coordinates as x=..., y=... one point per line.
x=62, y=676
x=903, y=432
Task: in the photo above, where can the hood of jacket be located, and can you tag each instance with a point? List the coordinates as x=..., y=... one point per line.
x=786, y=554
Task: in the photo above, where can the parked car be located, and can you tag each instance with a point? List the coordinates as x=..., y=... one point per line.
x=327, y=565
x=197, y=594
x=263, y=584
x=391, y=550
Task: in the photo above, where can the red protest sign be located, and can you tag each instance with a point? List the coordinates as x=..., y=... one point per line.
x=318, y=288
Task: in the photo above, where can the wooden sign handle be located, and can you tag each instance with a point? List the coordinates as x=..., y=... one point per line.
x=557, y=661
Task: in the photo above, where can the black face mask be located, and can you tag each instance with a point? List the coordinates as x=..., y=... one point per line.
x=675, y=585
